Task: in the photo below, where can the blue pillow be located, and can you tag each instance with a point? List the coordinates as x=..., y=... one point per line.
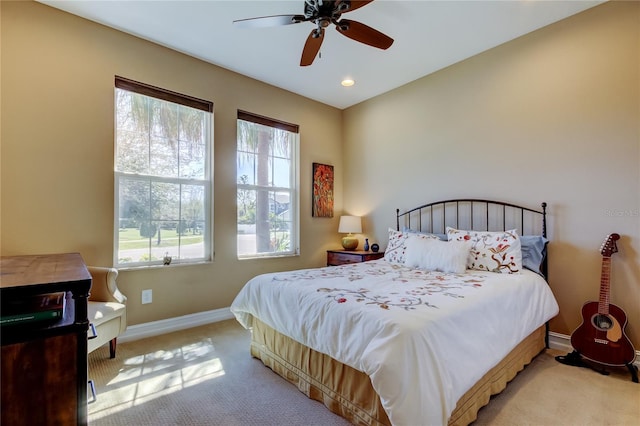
x=534, y=250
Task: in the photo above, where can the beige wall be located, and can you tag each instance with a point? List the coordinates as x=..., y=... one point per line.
x=553, y=116
x=57, y=153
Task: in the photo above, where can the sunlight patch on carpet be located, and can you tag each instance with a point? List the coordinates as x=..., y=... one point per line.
x=143, y=378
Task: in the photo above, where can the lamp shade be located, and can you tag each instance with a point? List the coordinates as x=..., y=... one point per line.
x=350, y=224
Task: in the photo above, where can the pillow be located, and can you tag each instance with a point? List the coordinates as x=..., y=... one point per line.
x=395, y=251
x=434, y=254
x=534, y=250
x=491, y=251
x=442, y=237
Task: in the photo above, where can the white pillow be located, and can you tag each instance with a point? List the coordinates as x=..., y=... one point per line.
x=395, y=251
x=491, y=251
x=433, y=254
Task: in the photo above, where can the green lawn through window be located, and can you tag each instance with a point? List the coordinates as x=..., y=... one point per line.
x=130, y=239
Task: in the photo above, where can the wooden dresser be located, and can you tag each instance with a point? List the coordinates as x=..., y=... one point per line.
x=44, y=363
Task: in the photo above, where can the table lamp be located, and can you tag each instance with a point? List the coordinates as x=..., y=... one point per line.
x=350, y=225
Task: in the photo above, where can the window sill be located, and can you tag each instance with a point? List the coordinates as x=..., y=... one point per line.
x=172, y=265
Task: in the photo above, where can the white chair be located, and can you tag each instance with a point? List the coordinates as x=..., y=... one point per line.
x=107, y=308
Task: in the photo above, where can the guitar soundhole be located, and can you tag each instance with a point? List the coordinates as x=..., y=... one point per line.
x=602, y=322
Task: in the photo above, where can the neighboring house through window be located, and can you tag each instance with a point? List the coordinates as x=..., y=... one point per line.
x=163, y=178
x=267, y=187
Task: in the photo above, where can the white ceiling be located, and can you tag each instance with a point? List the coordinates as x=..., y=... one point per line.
x=429, y=35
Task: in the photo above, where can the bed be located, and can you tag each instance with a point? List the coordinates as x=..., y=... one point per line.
x=455, y=309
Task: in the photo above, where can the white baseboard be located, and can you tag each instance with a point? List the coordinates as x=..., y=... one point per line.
x=169, y=325
x=562, y=342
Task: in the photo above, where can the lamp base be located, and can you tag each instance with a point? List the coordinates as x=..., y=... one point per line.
x=349, y=243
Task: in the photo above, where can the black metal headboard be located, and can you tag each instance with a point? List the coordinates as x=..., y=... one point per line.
x=477, y=215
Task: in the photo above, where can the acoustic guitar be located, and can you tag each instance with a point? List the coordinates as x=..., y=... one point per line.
x=600, y=337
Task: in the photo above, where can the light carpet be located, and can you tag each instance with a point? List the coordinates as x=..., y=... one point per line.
x=206, y=376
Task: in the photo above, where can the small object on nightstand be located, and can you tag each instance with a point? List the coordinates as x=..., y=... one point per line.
x=375, y=248
x=366, y=244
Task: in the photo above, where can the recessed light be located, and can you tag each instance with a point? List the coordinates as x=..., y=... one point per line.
x=348, y=82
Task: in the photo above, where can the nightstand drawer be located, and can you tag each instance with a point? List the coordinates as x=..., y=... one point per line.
x=344, y=257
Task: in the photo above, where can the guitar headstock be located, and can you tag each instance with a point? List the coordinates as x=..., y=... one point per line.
x=609, y=246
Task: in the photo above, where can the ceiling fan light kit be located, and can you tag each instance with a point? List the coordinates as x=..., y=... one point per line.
x=323, y=13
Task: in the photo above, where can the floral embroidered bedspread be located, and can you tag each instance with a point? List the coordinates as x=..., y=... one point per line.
x=423, y=337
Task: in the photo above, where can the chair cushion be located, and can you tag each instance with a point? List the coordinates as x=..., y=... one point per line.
x=101, y=312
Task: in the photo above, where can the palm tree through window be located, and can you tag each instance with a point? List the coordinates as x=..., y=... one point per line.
x=267, y=198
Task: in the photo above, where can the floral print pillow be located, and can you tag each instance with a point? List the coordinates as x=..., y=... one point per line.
x=396, y=247
x=491, y=251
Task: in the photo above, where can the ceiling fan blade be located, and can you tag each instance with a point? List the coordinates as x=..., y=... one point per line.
x=312, y=47
x=353, y=5
x=269, y=21
x=364, y=34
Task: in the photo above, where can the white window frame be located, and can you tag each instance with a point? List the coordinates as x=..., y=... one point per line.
x=206, y=182
x=294, y=190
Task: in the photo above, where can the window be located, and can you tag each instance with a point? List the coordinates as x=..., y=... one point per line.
x=267, y=187
x=163, y=179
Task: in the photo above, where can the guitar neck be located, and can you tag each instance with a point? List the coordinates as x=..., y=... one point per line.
x=603, y=303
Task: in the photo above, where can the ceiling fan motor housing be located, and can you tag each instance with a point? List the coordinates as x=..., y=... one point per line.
x=329, y=11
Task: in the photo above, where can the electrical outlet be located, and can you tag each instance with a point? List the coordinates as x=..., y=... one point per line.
x=147, y=296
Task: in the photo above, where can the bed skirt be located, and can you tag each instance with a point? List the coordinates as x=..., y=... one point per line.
x=348, y=392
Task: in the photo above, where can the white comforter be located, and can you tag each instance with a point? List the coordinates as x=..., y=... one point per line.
x=424, y=338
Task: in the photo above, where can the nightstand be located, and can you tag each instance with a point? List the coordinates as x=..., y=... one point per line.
x=343, y=257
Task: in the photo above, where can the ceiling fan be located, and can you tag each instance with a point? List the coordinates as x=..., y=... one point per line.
x=323, y=13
